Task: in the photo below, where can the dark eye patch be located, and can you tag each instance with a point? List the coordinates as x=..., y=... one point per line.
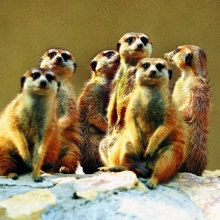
x=35, y=75
x=159, y=66
x=49, y=77
x=108, y=54
x=52, y=54
x=130, y=40
x=144, y=40
x=65, y=56
x=177, y=50
x=146, y=65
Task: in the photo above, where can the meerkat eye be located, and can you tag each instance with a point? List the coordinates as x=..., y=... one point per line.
x=177, y=50
x=144, y=40
x=65, y=56
x=146, y=65
x=130, y=40
x=35, y=75
x=108, y=54
x=49, y=77
x=159, y=66
x=52, y=54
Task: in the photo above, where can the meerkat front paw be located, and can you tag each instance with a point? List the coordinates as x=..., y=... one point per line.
x=149, y=153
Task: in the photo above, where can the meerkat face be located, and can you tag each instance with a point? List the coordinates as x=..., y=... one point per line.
x=182, y=56
x=135, y=45
x=106, y=62
x=151, y=71
x=40, y=81
x=60, y=61
x=188, y=56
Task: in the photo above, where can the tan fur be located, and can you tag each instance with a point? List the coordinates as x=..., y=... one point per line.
x=192, y=97
x=29, y=134
x=153, y=136
x=63, y=64
x=92, y=107
x=132, y=47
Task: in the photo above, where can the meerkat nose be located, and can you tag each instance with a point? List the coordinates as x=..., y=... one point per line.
x=140, y=46
x=43, y=83
x=152, y=73
x=59, y=59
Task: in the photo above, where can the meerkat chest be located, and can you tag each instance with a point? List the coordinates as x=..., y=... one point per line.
x=126, y=84
x=62, y=102
x=152, y=110
x=178, y=93
x=33, y=118
x=182, y=91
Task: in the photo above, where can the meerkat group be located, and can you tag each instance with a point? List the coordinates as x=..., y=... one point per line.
x=126, y=117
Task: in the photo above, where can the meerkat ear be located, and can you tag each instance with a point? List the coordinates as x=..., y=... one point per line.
x=58, y=86
x=118, y=46
x=23, y=78
x=189, y=58
x=93, y=65
x=170, y=72
x=74, y=66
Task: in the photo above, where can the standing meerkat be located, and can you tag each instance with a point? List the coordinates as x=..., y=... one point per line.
x=153, y=136
x=131, y=47
x=192, y=97
x=92, y=107
x=63, y=64
x=29, y=134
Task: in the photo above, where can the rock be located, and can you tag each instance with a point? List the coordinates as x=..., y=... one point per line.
x=203, y=191
x=117, y=196
x=29, y=205
x=89, y=188
x=26, y=180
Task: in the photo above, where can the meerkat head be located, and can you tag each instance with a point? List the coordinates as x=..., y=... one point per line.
x=40, y=81
x=134, y=46
x=105, y=64
x=188, y=57
x=153, y=71
x=60, y=61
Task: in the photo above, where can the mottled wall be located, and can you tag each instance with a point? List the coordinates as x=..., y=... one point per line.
x=28, y=28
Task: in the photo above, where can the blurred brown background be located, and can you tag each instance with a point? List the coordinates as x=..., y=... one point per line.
x=29, y=28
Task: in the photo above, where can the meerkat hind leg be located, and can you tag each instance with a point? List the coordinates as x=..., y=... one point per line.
x=13, y=176
x=163, y=170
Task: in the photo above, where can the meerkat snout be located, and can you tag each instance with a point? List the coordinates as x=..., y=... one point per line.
x=43, y=83
x=152, y=73
x=59, y=59
x=140, y=46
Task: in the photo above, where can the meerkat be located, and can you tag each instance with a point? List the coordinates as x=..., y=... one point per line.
x=92, y=107
x=192, y=97
x=153, y=136
x=131, y=47
x=63, y=64
x=29, y=134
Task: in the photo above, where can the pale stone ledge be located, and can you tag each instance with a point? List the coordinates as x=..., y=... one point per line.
x=29, y=205
x=110, y=196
